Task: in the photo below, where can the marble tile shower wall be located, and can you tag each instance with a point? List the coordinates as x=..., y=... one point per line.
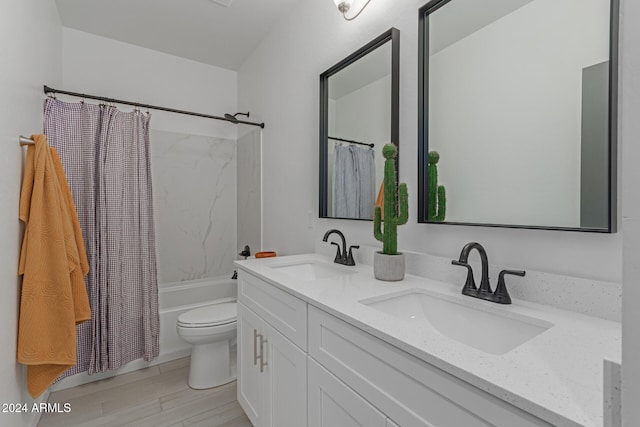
x=195, y=192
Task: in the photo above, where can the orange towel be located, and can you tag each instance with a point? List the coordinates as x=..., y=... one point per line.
x=53, y=263
x=380, y=200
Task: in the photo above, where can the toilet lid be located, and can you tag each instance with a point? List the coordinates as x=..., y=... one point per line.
x=211, y=315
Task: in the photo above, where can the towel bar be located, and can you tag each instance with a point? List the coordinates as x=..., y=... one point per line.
x=25, y=141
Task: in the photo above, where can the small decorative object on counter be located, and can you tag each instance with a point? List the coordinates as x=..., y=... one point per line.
x=265, y=254
x=389, y=265
x=437, y=199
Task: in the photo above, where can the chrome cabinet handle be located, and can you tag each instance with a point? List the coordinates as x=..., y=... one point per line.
x=260, y=356
x=262, y=362
x=255, y=347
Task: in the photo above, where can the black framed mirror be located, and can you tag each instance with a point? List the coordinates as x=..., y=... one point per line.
x=517, y=114
x=359, y=113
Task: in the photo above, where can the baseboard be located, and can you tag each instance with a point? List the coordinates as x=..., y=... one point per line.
x=84, y=378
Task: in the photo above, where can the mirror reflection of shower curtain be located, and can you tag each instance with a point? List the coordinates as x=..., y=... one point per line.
x=353, y=182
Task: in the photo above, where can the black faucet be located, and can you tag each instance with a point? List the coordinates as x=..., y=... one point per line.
x=342, y=257
x=246, y=253
x=500, y=296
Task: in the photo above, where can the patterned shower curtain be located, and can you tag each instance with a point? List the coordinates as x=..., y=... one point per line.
x=105, y=154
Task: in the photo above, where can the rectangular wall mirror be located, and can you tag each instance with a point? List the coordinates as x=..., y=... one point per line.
x=517, y=111
x=359, y=113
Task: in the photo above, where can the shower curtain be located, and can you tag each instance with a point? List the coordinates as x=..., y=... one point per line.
x=353, y=182
x=105, y=154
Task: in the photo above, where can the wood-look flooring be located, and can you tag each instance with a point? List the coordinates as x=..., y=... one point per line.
x=153, y=397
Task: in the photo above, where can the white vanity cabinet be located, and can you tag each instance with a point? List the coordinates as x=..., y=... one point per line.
x=301, y=366
x=272, y=370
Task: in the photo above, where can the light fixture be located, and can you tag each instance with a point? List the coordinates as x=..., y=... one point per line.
x=345, y=5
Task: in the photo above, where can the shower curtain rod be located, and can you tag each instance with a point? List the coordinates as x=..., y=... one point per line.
x=351, y=142
x=48, y=90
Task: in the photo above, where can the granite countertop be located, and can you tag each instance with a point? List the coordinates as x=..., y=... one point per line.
x=556, y=376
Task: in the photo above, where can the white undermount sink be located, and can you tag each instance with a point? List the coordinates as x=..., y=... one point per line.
x=493, y=331
x=312, y=270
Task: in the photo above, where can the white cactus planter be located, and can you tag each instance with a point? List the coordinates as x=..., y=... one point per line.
x=388, y=267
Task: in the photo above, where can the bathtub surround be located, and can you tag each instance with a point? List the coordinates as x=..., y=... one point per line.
x=195, y=204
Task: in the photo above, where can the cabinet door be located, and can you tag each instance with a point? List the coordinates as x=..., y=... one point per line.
x=285, y=391
x=406, y=389
x=332, y=403
x=250, y=380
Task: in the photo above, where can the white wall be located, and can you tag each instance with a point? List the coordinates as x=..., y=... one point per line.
x=102, y=66
x=279, y=84
x=30, y=51
x=193, y=159
x=629, y=134
x=538, y=141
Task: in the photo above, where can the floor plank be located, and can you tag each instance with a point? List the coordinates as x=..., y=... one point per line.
x=154, y=397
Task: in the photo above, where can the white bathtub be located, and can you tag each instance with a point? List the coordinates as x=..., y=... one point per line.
x=176, y=298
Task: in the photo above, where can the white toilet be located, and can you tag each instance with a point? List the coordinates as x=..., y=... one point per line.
x=209, y=329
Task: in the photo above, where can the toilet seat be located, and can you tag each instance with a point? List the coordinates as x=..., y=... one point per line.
x=211, y=315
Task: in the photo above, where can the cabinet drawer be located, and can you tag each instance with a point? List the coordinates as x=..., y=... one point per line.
x=408, y=390
x=284, y=312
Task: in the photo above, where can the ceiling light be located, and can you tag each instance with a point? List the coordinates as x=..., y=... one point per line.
x=344, y=6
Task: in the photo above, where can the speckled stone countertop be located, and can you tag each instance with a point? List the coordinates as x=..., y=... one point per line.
x=556, y=376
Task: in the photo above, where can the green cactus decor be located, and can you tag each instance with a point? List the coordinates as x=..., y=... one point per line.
x=396, y=208
x=437, y=198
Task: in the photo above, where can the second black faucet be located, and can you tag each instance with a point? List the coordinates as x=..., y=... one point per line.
x=342, y=257
x=501, y=295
